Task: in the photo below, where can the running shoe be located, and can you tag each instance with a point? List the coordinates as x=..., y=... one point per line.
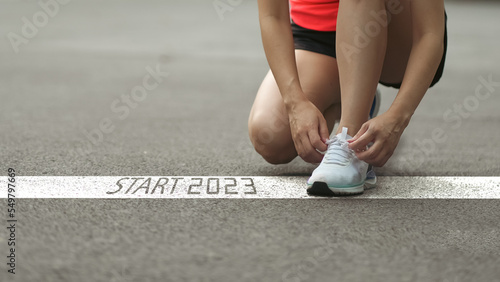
x=340, y=171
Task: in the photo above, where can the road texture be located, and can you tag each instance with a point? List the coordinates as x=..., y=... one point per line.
x=66, y=85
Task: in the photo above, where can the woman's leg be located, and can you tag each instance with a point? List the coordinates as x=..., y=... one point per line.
x=369, y=48
x=268, y=125
x=360, y=58
x=399, y=43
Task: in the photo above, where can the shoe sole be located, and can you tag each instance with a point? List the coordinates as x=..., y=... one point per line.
x=322, y=189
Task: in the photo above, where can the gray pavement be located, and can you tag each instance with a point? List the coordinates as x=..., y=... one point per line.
x=259, y=240
x=75, y=72
x=65, y=79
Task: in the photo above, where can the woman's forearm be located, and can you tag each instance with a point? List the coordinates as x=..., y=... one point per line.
x=428, y=23
x=278, y=44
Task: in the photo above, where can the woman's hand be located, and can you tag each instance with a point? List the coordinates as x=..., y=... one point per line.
x=384, y=131
x=309, y=130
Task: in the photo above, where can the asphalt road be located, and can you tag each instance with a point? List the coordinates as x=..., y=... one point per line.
x=258, y=240
x=66, y=79
x=72, y=76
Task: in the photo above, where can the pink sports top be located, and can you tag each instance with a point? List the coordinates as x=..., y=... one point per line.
x=320, y=15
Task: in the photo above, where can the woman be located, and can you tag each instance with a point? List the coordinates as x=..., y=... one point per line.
x=339, y=51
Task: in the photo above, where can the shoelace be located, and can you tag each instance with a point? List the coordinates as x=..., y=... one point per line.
x=337, y=152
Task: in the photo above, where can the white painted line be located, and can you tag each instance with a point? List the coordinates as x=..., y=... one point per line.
x=118, y=187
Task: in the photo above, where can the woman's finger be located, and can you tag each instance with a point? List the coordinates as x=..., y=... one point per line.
x=315, y=140
x=310, y=154
x=372, y=153
x=361, y=131
x=362, y=141
x=323, y=130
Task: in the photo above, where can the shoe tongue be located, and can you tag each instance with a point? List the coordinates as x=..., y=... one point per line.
x=343, y=136
x=338, y=152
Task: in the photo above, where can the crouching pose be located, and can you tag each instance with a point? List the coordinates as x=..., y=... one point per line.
x=326, y=59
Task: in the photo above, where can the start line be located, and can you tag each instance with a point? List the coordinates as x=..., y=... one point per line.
x=241, y=187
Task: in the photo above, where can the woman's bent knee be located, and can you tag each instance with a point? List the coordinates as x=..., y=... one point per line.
x=276, y=157
x=276, y=147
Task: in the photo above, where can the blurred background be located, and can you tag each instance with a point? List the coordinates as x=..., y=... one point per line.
x=73, y=100
x=164, y=88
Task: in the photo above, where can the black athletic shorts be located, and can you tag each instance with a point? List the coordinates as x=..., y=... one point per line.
x=323, y=42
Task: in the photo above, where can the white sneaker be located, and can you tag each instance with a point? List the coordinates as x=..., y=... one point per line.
x=340, y=172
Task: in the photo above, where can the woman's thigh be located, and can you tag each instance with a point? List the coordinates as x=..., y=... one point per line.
x=399, y=42
x=268, y=122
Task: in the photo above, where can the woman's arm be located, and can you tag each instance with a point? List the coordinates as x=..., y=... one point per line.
x=427, y=51
x=277, y=39
x=307, y=124
x=428, y=23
